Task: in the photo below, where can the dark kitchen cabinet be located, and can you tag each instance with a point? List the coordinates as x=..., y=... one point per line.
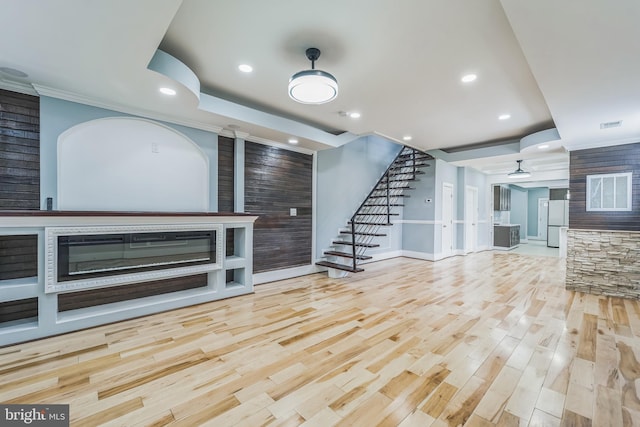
x=501, y=198
x=506, y=236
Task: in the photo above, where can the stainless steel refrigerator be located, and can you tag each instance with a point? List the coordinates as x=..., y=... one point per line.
x=558, y=217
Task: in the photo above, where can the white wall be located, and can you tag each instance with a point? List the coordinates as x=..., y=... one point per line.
x=130, y=164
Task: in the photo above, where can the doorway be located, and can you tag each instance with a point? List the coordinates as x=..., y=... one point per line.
x=470, y=219
x=447, y=219
x=543, y=214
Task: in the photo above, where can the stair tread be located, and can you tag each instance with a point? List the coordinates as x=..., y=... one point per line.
x=381, y=224
x=359, y=233
x=384, y=206
x=347, y=255
x=391, y=197
x=417, y=165
x=378, y=214
x=401, y=180
x=416, y=172
x=416, y=155
x=394, y=188
x=339, y=266
x=359, y=244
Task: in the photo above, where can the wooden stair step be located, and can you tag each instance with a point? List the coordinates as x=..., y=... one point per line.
x=381, y=224
x=395, y=188
x=378, y=214
x=384, y=205
x=401, y=180
x=347, y=255
x=358, y=244
x=414, y=156
x=416, y=172
x=391, y=197
x=340, y=266
x=360, y=233
x=417, y=165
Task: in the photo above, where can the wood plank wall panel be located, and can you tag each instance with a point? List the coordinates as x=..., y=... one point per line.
x=226, y=171
x=18, y=310
x=226, y=147
x=19, y=151
x=276, y=180
x=95, y=297
x=18, y=257
x=621, y=158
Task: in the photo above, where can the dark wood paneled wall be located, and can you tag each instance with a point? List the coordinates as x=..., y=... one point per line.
x=275, y=181
x=18, y=310
x=621, y=158
x=19, y=151
x=18, y=257
x=226, y=170
x=95, y=297
x=226, y=147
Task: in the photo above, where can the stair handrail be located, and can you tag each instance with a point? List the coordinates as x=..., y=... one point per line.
x=362, y=205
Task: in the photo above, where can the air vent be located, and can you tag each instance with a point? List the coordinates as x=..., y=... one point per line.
x=609, y=125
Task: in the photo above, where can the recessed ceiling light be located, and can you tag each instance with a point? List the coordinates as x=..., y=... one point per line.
x=293, y=141
x=167, y=91
x=468, y=78
x=354, y=115
x=543, y=146
x=407, y=138
x=504, y=116
x=245, y=68
x=13, y=72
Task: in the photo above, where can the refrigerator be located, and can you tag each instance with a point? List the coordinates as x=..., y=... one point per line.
x=558, y=217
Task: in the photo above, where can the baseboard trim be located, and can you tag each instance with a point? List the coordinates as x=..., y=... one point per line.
x=383, y=256
x=287, y=273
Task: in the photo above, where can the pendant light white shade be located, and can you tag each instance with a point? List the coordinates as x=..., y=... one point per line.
x=313, y=86
x=519, y=173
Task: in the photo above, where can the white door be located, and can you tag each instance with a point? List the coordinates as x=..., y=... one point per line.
x=447, y=220
x=543, y=212
x=471, y=219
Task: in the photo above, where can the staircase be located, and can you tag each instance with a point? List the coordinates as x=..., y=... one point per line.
x=375, y=212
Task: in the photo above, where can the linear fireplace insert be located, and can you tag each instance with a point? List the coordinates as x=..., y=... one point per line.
x=95, y=255
x=110, y=256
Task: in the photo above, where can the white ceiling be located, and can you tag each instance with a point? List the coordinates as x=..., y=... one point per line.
x=572, y=64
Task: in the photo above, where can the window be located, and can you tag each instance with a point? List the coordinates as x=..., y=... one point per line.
x=609, y=192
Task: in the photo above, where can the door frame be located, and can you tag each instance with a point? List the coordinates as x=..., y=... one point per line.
x=471, y=224
x=542, y=231
x=449, y=251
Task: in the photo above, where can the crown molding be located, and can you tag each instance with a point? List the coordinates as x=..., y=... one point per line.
x=601, y=143
x=240, y=135
x=288, y=147
x=14, y=86
x=82, y=99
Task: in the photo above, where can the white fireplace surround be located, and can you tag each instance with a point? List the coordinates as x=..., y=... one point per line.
x=130, y=164
x=51, y=256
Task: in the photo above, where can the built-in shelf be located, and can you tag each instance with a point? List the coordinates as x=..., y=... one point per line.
x=19, y=326
x=232, y=262
x=26, y=296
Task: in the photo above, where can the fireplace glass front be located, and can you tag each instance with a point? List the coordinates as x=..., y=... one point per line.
x=97, y=255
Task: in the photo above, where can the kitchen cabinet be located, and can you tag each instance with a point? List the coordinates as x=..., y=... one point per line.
x=506, y=236
x=501, y=198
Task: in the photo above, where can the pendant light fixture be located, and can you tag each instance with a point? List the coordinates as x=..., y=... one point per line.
x=519, y=173
x=313, y=86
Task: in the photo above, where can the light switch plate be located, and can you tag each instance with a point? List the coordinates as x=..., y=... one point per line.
x=293, y=212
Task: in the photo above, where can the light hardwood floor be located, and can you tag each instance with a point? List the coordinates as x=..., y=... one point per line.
x=486, y=339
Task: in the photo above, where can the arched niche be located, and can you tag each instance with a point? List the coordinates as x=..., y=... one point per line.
x=130, y=164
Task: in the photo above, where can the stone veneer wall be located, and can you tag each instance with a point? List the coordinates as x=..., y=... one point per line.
x=604, y=262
